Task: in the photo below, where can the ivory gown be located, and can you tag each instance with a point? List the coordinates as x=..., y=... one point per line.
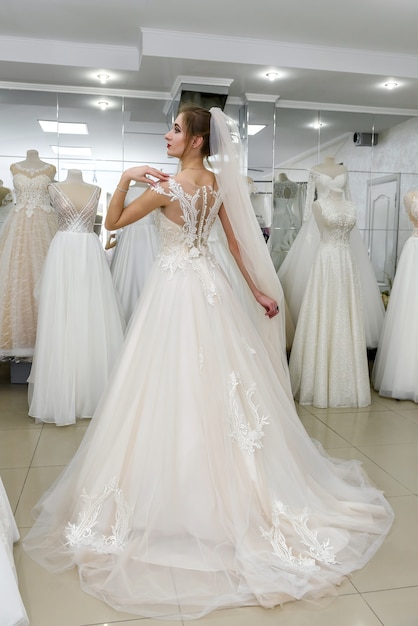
x=196, y=486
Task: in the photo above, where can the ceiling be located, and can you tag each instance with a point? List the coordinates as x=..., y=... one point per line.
x=334, y=54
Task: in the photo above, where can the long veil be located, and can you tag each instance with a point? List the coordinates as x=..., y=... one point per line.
x=226, y=160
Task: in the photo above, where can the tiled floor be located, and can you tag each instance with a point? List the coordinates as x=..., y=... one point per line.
x=384, y=436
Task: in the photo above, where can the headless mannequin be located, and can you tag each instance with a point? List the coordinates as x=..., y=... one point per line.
x=330, y=167
x=32, y=164
x=410, y=201
x=76, y=189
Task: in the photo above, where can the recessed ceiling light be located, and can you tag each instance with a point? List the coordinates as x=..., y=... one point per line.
x=253, y=129
x=103, y=105
x=391, y=85
x=71, y=151
x=272, y=75
x=317, y=125
x=65, y=128
x=103, y=77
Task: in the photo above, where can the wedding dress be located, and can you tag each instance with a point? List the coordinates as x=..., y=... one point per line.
x=24, y=241
x=328, y=362
x=295, y=270
x=80, y=322
x=395, y=371
x=196, y=486
x=135, y=252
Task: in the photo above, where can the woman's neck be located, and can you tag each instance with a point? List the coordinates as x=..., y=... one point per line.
x=192, y=164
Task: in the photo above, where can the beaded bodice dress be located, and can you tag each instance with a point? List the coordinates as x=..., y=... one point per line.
x=71, y=219
x=24, y=241
x=184, y=244
x=413, y=216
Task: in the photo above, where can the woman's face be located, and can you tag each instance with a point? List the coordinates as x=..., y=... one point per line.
x=176, y=139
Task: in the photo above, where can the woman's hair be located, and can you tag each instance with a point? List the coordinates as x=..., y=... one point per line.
x=196, y=122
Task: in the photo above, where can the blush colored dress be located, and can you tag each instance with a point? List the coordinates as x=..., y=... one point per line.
x=24, y=241
x=196, y=485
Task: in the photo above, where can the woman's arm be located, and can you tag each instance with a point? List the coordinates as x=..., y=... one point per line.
x=117, y=214
x=266, y=302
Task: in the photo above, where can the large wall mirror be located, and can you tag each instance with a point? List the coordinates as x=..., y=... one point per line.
x=103, y=135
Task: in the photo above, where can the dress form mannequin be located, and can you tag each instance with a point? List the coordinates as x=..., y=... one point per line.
x=395, y=368
x=330, y=167
x=328, y=363
x=80, y=327
x=24, y=240
x=75, y=188
x=5, y=194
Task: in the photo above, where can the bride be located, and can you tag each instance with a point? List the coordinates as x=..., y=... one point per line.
x=196, y=486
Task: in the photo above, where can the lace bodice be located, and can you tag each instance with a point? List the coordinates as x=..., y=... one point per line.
x=323, y=184
x=32, y=193
x=335, y=220
x=413, y=215
x=71, y=219
x=198, y=212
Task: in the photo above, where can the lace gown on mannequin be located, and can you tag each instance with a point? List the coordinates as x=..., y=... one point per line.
x=24, y=242
x=295, y=269
x=285, y=220
x=182, y=501
x=395, y=371
x=135, y=253
x=328, y=363
x=80, y=328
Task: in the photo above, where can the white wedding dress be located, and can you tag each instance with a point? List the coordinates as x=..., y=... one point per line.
x=395, y=371
x=80, y=323
x=196, y=485
x=135, y=253
x=295, y=270
x=328, y=362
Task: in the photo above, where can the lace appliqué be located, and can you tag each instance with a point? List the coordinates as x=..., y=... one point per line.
x=247, y=437
x=317, y=551
x=32, y=194
x=83, y=533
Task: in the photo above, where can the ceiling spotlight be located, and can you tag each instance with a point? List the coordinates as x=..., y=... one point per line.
x=317, y=125
x=391, y=85
x=103, y=105
x=103, y=77
x=272, y=75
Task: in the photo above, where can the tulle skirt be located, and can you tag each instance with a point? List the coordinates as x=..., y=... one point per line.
x=134, y=255
x=196, y=485
x=328, y=363
x=24, y=243
x=296, y=267
x=80, y=330
x=395, y=371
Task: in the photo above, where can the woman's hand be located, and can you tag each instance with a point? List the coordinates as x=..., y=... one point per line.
x=271, y=307
x=142, y=174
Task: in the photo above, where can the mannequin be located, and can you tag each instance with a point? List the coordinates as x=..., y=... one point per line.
x=24, y=241
x=328, y=363
x=6, y=203
x=395, y=368
x=80, y=327
x=330, y=167
x=294, y=272
x=285, y=218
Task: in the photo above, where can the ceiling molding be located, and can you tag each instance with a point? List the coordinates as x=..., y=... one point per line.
x=200, y=46
x=51, y=52
x=348, y=108
x=93, y=91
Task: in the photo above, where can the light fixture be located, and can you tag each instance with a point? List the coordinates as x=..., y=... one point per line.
x=317, y=125
x=72, y=151
x=272, y=75
x=65, y=128
x=103, y=105
x=253, y=129
x=103, y=78
x=391, y=85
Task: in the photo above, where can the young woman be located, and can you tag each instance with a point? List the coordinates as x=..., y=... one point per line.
x=196, y=486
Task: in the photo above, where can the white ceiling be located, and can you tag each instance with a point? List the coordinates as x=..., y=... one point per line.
x=328, y=52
